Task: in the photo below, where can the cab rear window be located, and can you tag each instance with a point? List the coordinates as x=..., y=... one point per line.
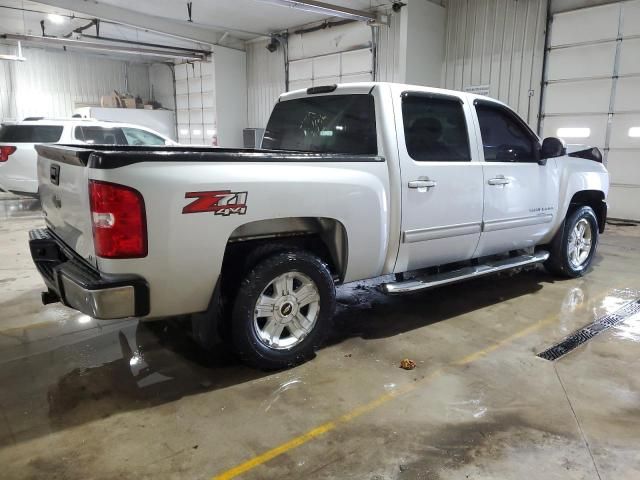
x=328, y=124
x=30, y=133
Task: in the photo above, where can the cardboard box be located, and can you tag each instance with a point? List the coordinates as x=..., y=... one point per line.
x=109, y=101
x=130, y=103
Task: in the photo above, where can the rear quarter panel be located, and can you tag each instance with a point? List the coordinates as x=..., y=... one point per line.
x=186, y=250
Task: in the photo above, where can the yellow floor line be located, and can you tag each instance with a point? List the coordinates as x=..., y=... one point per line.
x=376, y=403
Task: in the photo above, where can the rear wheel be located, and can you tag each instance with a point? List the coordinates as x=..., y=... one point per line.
x=574, y=246
x=283, y=310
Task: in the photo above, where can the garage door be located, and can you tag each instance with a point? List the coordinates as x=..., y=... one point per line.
x=592, y=93
x=195, y=103
x=338, y=54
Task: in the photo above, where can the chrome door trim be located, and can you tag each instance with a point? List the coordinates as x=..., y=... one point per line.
x=495, y=225
x=434, y=233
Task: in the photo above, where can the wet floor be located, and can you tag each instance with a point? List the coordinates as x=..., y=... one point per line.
x=87, y=399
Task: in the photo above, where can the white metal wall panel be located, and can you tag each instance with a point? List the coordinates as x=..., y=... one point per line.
x=389, y=52
x=53, y=83
x=594, y=43
x=265, y=82
x=499, y=44
x=7, y=105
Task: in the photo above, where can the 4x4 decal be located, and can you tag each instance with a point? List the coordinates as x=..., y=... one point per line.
x=221, y=202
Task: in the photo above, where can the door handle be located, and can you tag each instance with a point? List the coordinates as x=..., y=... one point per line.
x=499, y=180
x=422, y=185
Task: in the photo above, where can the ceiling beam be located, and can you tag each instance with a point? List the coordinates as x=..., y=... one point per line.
x=325, y=9
x=130, y=18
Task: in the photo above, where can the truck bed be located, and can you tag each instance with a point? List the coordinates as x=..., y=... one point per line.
x=116, y=156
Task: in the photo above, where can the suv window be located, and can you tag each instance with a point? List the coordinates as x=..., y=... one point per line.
x=30, y=133
x=135, y=136
x=328, y=124
x=505, y=138
x=101, y=135
x=435, y=128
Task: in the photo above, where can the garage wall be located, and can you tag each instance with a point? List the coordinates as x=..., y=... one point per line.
x=389, y=49
x=231, y=95
x=53, y=83
x=6, y=85
x=162, y=85
x=592, y=96
x=497, y=45
x=265, y=81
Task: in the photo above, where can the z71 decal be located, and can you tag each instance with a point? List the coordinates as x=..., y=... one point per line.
x=221, y=202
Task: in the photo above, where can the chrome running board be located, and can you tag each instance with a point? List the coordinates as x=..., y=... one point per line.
x=466, y=273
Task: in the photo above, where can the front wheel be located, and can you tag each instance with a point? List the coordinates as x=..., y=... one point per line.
x=574, y=246
x=283, y=310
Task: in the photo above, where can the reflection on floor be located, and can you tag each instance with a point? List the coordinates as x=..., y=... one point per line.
x=86, y=399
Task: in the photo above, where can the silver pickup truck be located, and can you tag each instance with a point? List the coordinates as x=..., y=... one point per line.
x=353, y=182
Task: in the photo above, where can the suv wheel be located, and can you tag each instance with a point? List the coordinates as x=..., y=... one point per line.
x=574, y=246
x=283, y=310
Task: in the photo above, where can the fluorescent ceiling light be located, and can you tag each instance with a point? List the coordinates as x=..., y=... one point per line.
x=634, y=132
x=55, y=18
x=574, y=132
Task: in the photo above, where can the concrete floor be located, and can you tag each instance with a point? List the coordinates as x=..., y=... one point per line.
x=82, y=399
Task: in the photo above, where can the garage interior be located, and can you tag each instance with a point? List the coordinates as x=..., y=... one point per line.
x=86, y=398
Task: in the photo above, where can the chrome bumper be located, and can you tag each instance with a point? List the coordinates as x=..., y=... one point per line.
x=73, y=282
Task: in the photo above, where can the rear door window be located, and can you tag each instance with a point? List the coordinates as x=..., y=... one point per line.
x=435, y=128
x=328, y=124
x=101, y=135
x=30, y=133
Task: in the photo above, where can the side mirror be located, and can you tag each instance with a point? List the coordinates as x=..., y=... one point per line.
x=552, y=147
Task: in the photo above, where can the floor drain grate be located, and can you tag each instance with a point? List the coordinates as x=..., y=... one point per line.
x=587, y=333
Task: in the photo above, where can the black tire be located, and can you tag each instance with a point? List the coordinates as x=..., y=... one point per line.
x=248, y=344
x=559, y=262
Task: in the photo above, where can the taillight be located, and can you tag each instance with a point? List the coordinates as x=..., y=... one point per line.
x=119, y=220
x=5, y=151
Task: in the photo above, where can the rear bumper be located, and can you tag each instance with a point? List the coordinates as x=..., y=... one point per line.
x=73, y=282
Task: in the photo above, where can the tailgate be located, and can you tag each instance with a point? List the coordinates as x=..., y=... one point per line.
x=64, y=195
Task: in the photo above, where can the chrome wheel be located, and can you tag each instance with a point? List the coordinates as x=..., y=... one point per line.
x=579, y=244
x=286, y=311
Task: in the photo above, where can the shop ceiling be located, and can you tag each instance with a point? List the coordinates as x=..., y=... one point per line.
x=179, y=29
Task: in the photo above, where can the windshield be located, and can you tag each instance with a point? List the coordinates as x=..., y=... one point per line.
x=30, y=133
x=327, y=124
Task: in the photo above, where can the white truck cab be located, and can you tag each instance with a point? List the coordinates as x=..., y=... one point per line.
x=353, y=181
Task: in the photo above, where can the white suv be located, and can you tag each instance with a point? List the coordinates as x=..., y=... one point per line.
x=18, y=158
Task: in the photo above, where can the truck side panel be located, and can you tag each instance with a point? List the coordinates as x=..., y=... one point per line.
x=191, y=215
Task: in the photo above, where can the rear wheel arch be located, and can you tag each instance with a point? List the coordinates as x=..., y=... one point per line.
x=324, y=237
